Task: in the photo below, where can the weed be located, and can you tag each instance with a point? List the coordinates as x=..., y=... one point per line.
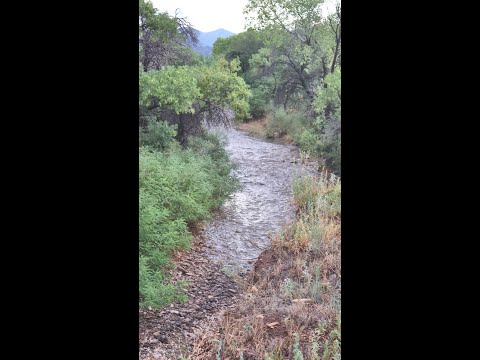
x=219, y=350
x=288, y=287
x=297, y=353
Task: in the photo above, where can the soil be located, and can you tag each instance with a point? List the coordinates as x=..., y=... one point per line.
x=166, y=333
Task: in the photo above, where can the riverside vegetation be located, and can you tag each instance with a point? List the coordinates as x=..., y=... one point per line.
x=280, y=78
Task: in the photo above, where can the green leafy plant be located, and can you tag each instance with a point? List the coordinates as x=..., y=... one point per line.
x=178, y=187
x=297, y=353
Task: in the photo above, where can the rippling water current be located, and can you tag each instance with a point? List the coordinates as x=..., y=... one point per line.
x=239, y=233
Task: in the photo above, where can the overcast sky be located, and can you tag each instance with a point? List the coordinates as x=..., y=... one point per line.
x=208, y=15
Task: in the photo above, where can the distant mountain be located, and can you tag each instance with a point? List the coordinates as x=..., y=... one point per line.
x=206, y=40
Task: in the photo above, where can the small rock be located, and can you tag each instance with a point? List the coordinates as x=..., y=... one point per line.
x=163, y=339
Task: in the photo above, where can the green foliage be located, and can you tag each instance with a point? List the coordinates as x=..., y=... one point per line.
x=158, y=135
x=308, y=141
x=159, y=25
x=220, y=85
x=328, y=123
x=155, y=289
x=177, y=188
x=284, y=13
x=219, y=350
x=220, y=46
x=297, y=353
x=212, y=146
x=207, y=85
x=163, y=39
x=259, y=102
x=288, y=287
x=303, y=45
x=329, y=94
x=173, y=87
x=315, y=289
x=281, y=122
x=241, y=46
x=291, y=59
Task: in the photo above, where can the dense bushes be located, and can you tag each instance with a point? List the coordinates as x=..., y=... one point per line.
x=320, y=136
x=281, y=122
x=293, y=71
x=259, y=102
x=158, y=135
x=178, y=187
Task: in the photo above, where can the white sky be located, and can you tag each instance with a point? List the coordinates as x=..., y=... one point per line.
x=208, y=15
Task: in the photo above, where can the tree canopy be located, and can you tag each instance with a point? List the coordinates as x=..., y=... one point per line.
x=163, y=39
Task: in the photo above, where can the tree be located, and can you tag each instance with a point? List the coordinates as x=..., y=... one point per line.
x=241, y=46
x=303, y=46
x=188, y=95
x=163, y=39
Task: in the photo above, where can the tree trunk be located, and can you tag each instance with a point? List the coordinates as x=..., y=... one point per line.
x=145, y=63
x=335, y=55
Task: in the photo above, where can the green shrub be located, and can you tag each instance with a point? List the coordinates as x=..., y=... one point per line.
x=330, y=148
x=213, y=146
x=158, y=135
x=281, y=122
x=297, y=352
x=177, y=187
x=308, y=141
x=155, y=289
x=259, y=102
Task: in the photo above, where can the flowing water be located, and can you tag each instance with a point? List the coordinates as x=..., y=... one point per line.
x=249, y=218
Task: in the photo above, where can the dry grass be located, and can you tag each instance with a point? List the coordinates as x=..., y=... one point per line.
x=291, y=306
x=255, y=127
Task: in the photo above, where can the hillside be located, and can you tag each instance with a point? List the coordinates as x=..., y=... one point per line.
x=207, y=39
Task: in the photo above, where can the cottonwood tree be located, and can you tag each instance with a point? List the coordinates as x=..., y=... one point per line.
x=303, y=45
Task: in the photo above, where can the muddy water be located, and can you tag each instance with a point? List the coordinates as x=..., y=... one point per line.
x=263, y=204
